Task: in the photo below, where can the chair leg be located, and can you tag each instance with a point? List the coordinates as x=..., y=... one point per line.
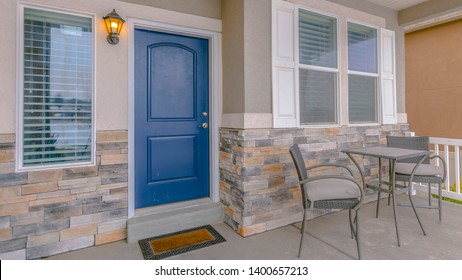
x=352, y=230
x=357, y=234
x=429, y=194
x=415, y=211
x=378, y=203
x=302, y=232
x=440, y=204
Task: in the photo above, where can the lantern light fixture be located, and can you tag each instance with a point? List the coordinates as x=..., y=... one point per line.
x=114, y=24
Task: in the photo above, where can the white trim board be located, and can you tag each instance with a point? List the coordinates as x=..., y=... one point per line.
x=429, y=22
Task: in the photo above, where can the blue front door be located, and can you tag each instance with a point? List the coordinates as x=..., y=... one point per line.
x=171, y=118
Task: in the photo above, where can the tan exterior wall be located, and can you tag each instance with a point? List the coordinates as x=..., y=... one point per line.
x=233, y=56
x=434, y=80
x=257, y=51
x=246, y=63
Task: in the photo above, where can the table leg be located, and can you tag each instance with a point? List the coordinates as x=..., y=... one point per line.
x=393, y=198
x=379, y=190
x=389, y=187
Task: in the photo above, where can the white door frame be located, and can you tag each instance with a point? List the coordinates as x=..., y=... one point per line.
x=214, y=93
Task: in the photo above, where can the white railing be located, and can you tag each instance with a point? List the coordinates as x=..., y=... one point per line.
x=451, y=154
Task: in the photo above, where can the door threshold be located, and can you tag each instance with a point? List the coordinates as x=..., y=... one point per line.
x=171, y=206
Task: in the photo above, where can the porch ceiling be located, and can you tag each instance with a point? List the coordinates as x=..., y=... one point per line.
x=397, y=5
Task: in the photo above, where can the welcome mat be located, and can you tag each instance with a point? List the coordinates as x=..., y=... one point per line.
x=159, y=247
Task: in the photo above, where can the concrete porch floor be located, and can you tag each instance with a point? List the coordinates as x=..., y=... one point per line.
x=328, y=238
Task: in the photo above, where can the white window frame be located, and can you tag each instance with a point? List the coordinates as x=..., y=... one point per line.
x=299, y=66
x=20, y=90
x=365, y=74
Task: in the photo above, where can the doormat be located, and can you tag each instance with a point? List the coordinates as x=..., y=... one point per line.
x=160, y=247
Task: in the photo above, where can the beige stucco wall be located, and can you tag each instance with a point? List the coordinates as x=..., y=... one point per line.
x=434, y=80
x=111, y=61
x=257, y=51
x=246, y=63
x=233, y=56
x=246, y=56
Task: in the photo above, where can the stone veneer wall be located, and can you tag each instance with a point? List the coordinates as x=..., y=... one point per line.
x=43, y=213
x=258, y=182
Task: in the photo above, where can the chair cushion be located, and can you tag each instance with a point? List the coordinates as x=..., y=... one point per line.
x=331, y=188
x=423, y=170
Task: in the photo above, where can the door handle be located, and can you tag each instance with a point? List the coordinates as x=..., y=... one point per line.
x=205, y=125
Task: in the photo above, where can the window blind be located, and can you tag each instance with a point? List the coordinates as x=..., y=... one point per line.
x=317, y=39
x=362, y=48
x=58, y=88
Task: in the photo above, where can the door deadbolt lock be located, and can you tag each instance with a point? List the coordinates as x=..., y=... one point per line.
x=205, y=125
x=204, y=114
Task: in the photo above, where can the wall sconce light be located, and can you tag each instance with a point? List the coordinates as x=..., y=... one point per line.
x=114, y=25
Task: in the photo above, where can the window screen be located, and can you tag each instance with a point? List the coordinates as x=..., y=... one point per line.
x=318, y=96
x=362, y=98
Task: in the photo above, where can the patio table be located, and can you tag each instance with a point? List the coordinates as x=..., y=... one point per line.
x=393, y=155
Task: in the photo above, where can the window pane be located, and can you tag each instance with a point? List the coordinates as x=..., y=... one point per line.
x=318, y=39
x=58, y=85
x=362, y=99
x=362, y=48
x=318, y=97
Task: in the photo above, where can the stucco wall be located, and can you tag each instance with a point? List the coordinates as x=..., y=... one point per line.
x=257, y=51
x=434, y=80
x=246, y=63
x=233, y=56
x=247, y=56
x=111, y=61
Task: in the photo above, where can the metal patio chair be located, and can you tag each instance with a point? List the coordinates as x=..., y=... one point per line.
x=425, y=173
x=328, y=192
